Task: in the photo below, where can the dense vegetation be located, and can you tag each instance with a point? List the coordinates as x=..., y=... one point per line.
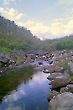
x=13, y=37
x=65, y=43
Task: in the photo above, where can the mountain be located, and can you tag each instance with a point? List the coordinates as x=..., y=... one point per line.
x=13, y=37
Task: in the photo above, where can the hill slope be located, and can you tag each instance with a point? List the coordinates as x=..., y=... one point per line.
x=13, y=37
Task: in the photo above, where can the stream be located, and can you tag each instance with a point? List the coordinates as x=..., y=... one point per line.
x=31, y=95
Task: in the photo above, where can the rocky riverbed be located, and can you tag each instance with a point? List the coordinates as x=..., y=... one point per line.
x=59, y=70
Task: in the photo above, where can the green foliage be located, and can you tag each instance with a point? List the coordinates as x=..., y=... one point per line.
x=8, y=44
x=64, y=44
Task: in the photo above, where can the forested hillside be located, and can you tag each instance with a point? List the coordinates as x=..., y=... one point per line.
x=65, y=43
x=13, y=37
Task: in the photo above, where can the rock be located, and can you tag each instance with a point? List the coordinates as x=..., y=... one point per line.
x=52, y=76
x=40, y=63
x=53, y=94
x=62, y=101
x=70, y=87
x=50, y=62
x=71, y=66
x=54, y=68
x=71, y=82
x=60, y=81
x=46, y=71
x=64, y=89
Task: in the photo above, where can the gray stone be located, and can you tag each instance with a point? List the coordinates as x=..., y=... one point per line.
x=70, y=87
x=60, y=81
x=52, y=76
x=62, y=101
x=53, y=94
x=64, y=89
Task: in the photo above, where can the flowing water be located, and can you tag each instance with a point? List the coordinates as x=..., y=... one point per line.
x=31, y=95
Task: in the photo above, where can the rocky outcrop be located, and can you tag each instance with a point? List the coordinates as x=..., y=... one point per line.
x=62, y=101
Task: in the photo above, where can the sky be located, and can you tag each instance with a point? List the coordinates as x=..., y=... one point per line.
x=47, y=19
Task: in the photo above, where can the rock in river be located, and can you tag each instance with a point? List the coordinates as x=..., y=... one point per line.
x=59, y=80
x=53, y=94
x=53, y=68
x=62, y=101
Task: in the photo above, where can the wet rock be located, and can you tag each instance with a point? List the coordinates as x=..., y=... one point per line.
x=40, y=63
x=60, y=81
x=53, y=94
x=50, y=62
x=62, y=101
x=46, y=71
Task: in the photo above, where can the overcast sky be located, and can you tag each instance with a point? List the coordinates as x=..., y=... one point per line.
x=45, y=18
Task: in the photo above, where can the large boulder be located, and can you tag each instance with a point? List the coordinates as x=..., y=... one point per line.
x=59, y=79
x=62, y=101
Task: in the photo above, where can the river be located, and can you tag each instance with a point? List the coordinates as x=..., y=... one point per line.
x=30, y=95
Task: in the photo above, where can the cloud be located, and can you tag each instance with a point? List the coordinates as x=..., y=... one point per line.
x=68, y=2
x=6, y=2
x=55, y=29
x=11, y=14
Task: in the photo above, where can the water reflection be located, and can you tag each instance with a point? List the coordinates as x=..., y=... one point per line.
x=32, y=95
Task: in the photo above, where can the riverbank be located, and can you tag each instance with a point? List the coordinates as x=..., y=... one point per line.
x=61, y=73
